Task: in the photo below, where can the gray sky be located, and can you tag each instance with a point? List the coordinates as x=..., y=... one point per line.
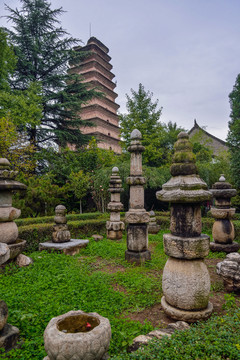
x=184, y=51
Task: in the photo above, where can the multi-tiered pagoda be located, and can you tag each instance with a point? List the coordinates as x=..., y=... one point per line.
x=102, y=112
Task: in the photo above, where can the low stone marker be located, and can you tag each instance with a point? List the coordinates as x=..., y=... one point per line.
x=8, y=334
x=185, y=281
x=137, y=217
x=61, y=236
x=229, y=270
x=115, y=226
x=223, y=229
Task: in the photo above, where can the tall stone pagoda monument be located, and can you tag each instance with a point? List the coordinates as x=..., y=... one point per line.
x=102, y=112
x=185, y=281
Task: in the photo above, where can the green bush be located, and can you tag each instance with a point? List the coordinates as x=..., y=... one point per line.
x=50, y=219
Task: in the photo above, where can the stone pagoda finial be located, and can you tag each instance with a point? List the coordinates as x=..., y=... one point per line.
x=137, y=218
x=186, y=281
x=115, y=226
x=223, y=229
x=60, y=233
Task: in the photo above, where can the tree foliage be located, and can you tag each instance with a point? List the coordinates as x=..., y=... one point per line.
x=144, y=115
x=234, y=131
x=44, y=50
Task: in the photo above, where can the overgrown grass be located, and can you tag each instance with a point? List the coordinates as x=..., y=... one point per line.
x=100, y=280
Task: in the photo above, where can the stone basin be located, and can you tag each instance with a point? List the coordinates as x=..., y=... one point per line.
x=16, y=248
x=77, y=335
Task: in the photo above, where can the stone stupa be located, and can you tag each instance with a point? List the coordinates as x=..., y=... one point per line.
x=185, y=281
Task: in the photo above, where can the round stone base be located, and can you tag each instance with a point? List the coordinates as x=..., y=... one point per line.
x=184, y=315
x=227, y=248
x=16, y=248
x=137, y=257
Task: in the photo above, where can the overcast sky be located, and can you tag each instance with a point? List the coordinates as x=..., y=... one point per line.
x=186, y=52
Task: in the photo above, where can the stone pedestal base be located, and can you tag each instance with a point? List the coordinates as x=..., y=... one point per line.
x=71, y=247
x=16, y=248
x=8, y=337
x=114, y=235
x=227, y=248
x=185, y=315
x=137, y=257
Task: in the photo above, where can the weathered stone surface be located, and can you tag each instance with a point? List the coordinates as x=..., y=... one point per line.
x=159, y=334
x=91, y=345
x=16, y=248
x=8, y=337
x=69, y=248
x=137, y=257
x=3, y=314
x=137, y=237
x=115, y=225
x=97, y=237
x=8, y=232
x=153, y=227
x=186, y=219
x=179, y=325
x=61, y=234
x=188, y=316
x=4, y=253
x=229, y=270
x=186, y=284
x=222, y=213
x=134, y=216
x=223, y=231
x=9, y=214
x=23, y=260
x=138, y=342
x=227, y=248
x=186, y=248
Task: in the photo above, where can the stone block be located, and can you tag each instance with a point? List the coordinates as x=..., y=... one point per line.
x=16, y=248
x=8, y=337
x=186, y=219
x=223, y=231
x=227, y=248
x=229, y=270
x=137, y=257
x=137, y=237
x=186, y=248
x=97, y=237
x=23, y=260
x=137, y=217
x=9, y=214
x=4, y=253
x=138, y=342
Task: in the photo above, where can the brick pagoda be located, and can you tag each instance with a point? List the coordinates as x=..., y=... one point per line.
x=96, y=70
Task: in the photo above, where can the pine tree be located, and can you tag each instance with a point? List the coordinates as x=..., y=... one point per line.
x=234, y=131
x=44, y=50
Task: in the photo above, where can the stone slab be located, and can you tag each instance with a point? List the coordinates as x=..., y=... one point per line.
x=184, y=315
x=227, y=248
x=16, y=248
x=137, y=257
x=71, y=247
x=8, y=337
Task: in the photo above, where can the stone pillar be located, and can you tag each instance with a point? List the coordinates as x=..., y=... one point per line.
x=60, y=233
x=223, y=229
x=137, y=218
x=115, y=226
x=153, y=227
x=8, y=228
x=186, y=281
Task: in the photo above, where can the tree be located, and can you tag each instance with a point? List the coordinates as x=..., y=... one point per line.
x=234, y=131
x=143, y=114
x=79, y=183
x=43, y=51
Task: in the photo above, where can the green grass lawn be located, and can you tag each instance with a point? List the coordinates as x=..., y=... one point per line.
x=96, y=280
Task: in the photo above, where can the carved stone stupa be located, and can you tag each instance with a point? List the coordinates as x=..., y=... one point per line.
x=115, y=226
x=137, y=217
x=223, y=229
x=186, y=281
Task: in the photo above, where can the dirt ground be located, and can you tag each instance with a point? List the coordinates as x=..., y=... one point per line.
x=155, y=313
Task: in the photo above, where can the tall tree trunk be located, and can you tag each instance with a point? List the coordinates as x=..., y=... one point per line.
x=80, y=206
